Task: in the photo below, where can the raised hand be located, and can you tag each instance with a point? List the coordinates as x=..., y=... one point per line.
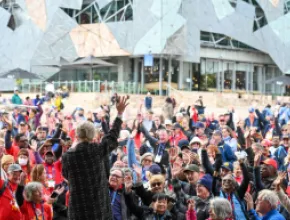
x=128, y=183
x=59, y=190
x=23, y=177
x=257, y=159
x=121, y=104
x=191, y=204
x=176, y=168
x=173, y=153
x=249, y=200
x=33, y=145
x=277, y=183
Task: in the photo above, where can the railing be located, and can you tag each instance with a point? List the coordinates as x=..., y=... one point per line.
x=84, y=86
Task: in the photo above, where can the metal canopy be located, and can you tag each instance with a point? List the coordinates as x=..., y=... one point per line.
x=20, y=73
x=283, y=80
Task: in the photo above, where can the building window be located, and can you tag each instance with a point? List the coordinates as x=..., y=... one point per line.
x=115, y=11
x=221, y=41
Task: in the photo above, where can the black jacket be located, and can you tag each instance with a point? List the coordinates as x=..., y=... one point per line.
x=85, y=168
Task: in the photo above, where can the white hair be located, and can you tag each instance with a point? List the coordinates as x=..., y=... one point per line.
x=269, y=196
x=30, y=188
x=221, y=208
x=85, y=131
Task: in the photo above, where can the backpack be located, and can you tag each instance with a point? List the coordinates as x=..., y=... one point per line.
x=3, y=187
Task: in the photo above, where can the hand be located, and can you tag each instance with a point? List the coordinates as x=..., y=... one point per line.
x=173, y=153
x=33, y=145
x=277, y=183
x=23, y=177
x=191, y=204
x=121, y=104
x=257, y=159
x=59, y=190
x=128, y=184
x=177, y=166
x=249, y=200
x=9, y=123
x=133, y=134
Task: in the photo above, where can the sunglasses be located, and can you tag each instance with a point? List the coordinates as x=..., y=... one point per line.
x=222, y=120
x=156, y=184
x=146, y=160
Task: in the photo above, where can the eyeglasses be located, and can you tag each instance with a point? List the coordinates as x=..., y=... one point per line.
x=116, y=176
x=156, y=184
x=146, y=160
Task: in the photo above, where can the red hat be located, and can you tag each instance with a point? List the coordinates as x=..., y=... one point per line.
x=266, y=142
x=271, y=162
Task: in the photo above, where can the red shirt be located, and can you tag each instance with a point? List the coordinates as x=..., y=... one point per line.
x=54, y=172
x=29, y=213
x=8, y=207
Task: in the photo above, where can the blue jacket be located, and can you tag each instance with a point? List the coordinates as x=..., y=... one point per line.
x=255, y=123
x=226, y=152
x=279, y=156
x=267, y=112
x=148, y=102
x=272, y=215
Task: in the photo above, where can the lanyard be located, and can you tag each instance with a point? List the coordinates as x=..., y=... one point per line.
x=114, y=197
x=42, y=211
x=161, y=148
x=47, y=172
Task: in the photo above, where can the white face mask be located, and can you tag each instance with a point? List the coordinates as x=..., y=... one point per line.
x=22, y=162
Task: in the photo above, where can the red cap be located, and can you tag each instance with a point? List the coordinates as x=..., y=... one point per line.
x=271, y=162
x=266, y=142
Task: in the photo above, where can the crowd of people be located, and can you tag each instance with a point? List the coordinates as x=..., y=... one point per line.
x=177, y=163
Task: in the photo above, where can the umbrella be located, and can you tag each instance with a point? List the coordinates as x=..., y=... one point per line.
x=285, y=80
x=20, y=73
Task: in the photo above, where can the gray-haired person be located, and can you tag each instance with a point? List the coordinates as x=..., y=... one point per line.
x=266, y=205
x=220, y=209
x=30, y=198
x=85, y=168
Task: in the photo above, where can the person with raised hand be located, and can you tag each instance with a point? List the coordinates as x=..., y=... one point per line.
x=85, y=168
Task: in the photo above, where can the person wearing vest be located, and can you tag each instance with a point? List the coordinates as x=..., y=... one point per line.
x=9, y=209
x=266, y=205
x=233, y=192
x=252, y=121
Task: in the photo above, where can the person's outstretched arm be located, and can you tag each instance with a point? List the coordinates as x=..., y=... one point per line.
x=110, y=141
x=246, y=179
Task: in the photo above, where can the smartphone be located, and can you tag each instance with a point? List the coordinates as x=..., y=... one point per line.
x=54, y=195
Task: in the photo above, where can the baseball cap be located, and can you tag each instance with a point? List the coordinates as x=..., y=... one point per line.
x=191, y=167
x=14, y=168
x=177, y=126
x=155, y=169
x=228, y=166
x=22, y=123
x=251, y=110
x=266, y=143
x=271, y=162
x=195, y=140
x=199, y=125
x=183, y=143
